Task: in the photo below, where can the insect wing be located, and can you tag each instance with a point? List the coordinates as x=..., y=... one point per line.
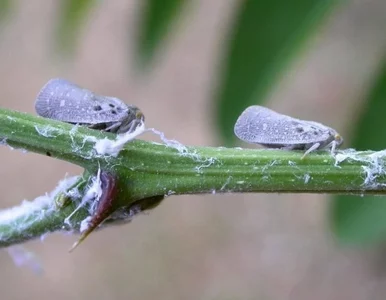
x=261, y=125
x=62, y=100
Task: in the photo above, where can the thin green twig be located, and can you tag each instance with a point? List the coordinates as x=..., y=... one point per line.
x=149, y=169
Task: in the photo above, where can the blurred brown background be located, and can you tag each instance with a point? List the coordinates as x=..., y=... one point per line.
x=191, y=247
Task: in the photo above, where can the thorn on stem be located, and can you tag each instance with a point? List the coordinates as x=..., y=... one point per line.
x=104, y=208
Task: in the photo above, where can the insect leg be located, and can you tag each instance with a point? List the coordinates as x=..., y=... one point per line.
x=113, y=127
x=312, y=148
x=333, y=147
x=129, y=126
x=121, y=127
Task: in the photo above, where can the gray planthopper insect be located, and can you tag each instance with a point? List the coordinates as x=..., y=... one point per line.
x=261, y=125
x=64, y=101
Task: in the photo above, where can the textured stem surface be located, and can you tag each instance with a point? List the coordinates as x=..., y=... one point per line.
x=146, y=169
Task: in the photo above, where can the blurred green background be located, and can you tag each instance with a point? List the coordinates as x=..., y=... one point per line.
x=193, y=67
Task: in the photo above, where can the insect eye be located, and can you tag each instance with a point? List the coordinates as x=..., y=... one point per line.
x=97, y=108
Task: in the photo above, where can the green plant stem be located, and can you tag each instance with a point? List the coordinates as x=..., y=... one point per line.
x=148, y=169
